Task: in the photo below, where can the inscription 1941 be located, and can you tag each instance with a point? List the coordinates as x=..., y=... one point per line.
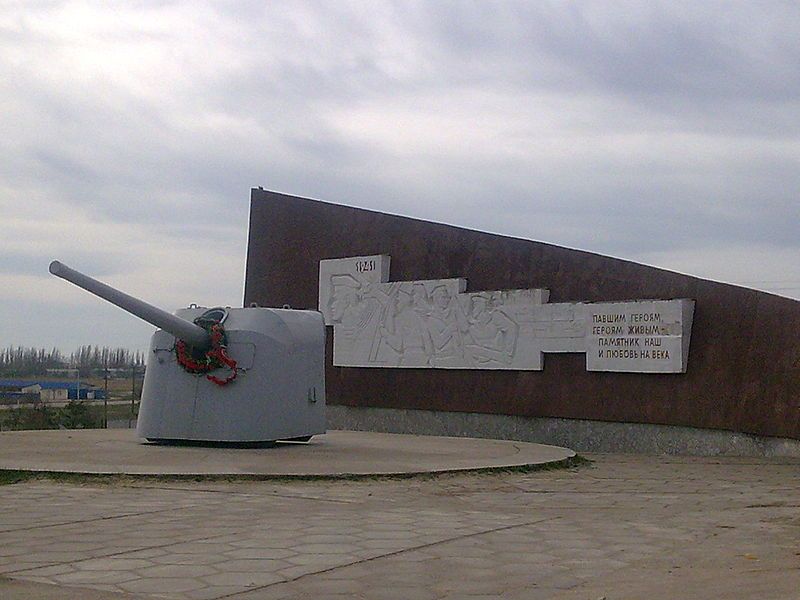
x=365, y=266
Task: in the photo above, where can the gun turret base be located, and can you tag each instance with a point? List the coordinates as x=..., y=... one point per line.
x=279, y=393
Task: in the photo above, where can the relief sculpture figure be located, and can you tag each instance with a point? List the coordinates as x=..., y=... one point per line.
x=353, y=311
x=491, y=336
x=443, y=326
x=404, y=332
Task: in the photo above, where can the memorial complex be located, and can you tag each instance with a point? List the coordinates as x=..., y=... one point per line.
x=440, y=329
x=421, y=328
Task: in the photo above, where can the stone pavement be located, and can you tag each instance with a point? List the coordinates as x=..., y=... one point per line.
x=623, y=527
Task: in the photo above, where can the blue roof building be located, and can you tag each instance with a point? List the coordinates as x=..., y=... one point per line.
x=86, y=392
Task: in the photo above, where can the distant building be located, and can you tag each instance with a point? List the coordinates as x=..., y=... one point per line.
x=11, y=395
x=54, y=392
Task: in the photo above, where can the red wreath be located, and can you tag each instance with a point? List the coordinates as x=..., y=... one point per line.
x=213, y=358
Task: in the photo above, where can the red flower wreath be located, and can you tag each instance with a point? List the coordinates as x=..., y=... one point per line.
x=213, y=358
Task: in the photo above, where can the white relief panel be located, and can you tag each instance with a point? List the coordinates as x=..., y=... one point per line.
x=650, y=336
x=437, y=324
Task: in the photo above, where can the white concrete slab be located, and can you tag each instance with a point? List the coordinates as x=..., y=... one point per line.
x=337, y=453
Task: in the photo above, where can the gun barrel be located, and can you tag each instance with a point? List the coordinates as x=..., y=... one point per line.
x=180, y=328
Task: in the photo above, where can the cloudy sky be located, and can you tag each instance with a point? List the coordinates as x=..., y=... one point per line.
x=131, y=133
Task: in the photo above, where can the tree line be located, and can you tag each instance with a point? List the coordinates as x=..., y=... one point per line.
x=90, y=360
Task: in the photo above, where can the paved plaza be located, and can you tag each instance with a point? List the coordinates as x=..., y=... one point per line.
x=622, y=527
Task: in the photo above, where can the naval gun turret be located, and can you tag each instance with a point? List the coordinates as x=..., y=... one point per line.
x=225, y=374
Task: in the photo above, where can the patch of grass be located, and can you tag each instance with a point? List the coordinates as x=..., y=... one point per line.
x=74, y=415
x=568, y=463
x=117, y=411
x=9, y=476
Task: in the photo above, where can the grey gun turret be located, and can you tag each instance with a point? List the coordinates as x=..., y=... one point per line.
x=274, y=360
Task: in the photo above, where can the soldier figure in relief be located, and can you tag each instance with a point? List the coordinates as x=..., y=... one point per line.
x=353, y=310
x=443, y=326
x=405, y=333
x=491, y=336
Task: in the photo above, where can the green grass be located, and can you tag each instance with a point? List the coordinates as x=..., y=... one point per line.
x=115, y=411
x=10, y=476
x=75, y=415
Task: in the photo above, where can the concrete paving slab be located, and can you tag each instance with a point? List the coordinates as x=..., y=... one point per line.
x=623, y=527
x=337, y=453
x=16, y=589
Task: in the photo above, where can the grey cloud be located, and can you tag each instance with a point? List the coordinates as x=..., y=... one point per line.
x=33, y=262
x=686, y=68
x=41, y=322
x=258, y=88
x=709, y=49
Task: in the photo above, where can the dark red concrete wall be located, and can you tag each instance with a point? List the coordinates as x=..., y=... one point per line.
x=744, y=361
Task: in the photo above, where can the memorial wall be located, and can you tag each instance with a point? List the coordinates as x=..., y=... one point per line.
x=434, y=317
